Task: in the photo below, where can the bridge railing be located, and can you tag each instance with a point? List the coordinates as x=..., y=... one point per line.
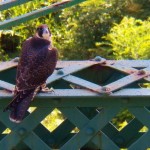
x=90, y=95
x=7, y=24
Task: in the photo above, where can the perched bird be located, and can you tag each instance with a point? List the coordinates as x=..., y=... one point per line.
x=37, y=62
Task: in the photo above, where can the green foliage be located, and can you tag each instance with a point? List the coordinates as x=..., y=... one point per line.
x=122, y=119
x=86, y=24
x=130, y=39
x=53, y=120
x=77, y=31
x=138, y=9
x=3, y=55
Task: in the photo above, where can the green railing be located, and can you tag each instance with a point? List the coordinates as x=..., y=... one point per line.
x=89, y=94
x=102, y=89
x=34, y=14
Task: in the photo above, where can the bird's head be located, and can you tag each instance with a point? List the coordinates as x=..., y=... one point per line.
x=43, y=32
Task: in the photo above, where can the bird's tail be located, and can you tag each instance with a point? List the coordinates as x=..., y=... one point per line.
x=19, y=105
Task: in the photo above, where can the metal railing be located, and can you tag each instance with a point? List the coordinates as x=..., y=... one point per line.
x=101, y=89
x=34, y=14
x=89, y=94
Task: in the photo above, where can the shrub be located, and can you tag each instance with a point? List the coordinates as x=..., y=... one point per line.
x=130, y=39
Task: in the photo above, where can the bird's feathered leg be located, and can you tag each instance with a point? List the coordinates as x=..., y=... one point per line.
x=19, y=105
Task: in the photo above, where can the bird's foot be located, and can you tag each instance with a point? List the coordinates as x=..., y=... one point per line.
x=47, y=90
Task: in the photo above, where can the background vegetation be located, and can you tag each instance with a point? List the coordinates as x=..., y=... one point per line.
x=114, y=29
x=110, y=28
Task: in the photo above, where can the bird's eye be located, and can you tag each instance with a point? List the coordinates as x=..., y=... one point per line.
x=40, y=29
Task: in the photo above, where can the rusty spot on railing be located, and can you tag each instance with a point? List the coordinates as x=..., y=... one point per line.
x=59, y=4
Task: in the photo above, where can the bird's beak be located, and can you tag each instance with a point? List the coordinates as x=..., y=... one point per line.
x=46, y=35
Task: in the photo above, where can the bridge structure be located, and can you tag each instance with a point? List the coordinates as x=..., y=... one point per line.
x=91, y=95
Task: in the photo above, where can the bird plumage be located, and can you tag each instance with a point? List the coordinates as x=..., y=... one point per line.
x=37, y=62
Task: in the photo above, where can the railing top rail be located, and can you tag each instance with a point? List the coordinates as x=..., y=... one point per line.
x=36, y=13
x=8, y=4
x=128, y=72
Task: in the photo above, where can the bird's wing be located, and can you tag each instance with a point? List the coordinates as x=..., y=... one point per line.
x=35, y=66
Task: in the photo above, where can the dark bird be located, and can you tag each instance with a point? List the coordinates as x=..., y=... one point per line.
x=37, y=62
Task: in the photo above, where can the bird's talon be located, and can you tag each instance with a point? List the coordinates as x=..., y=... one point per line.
x=47, y=90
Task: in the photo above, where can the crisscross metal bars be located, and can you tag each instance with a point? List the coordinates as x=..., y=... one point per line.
x=69, y=68
x=88, y=94
x=141, y=114
x=24, y=130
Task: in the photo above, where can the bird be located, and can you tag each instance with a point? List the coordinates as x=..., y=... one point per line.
x=37, y=62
